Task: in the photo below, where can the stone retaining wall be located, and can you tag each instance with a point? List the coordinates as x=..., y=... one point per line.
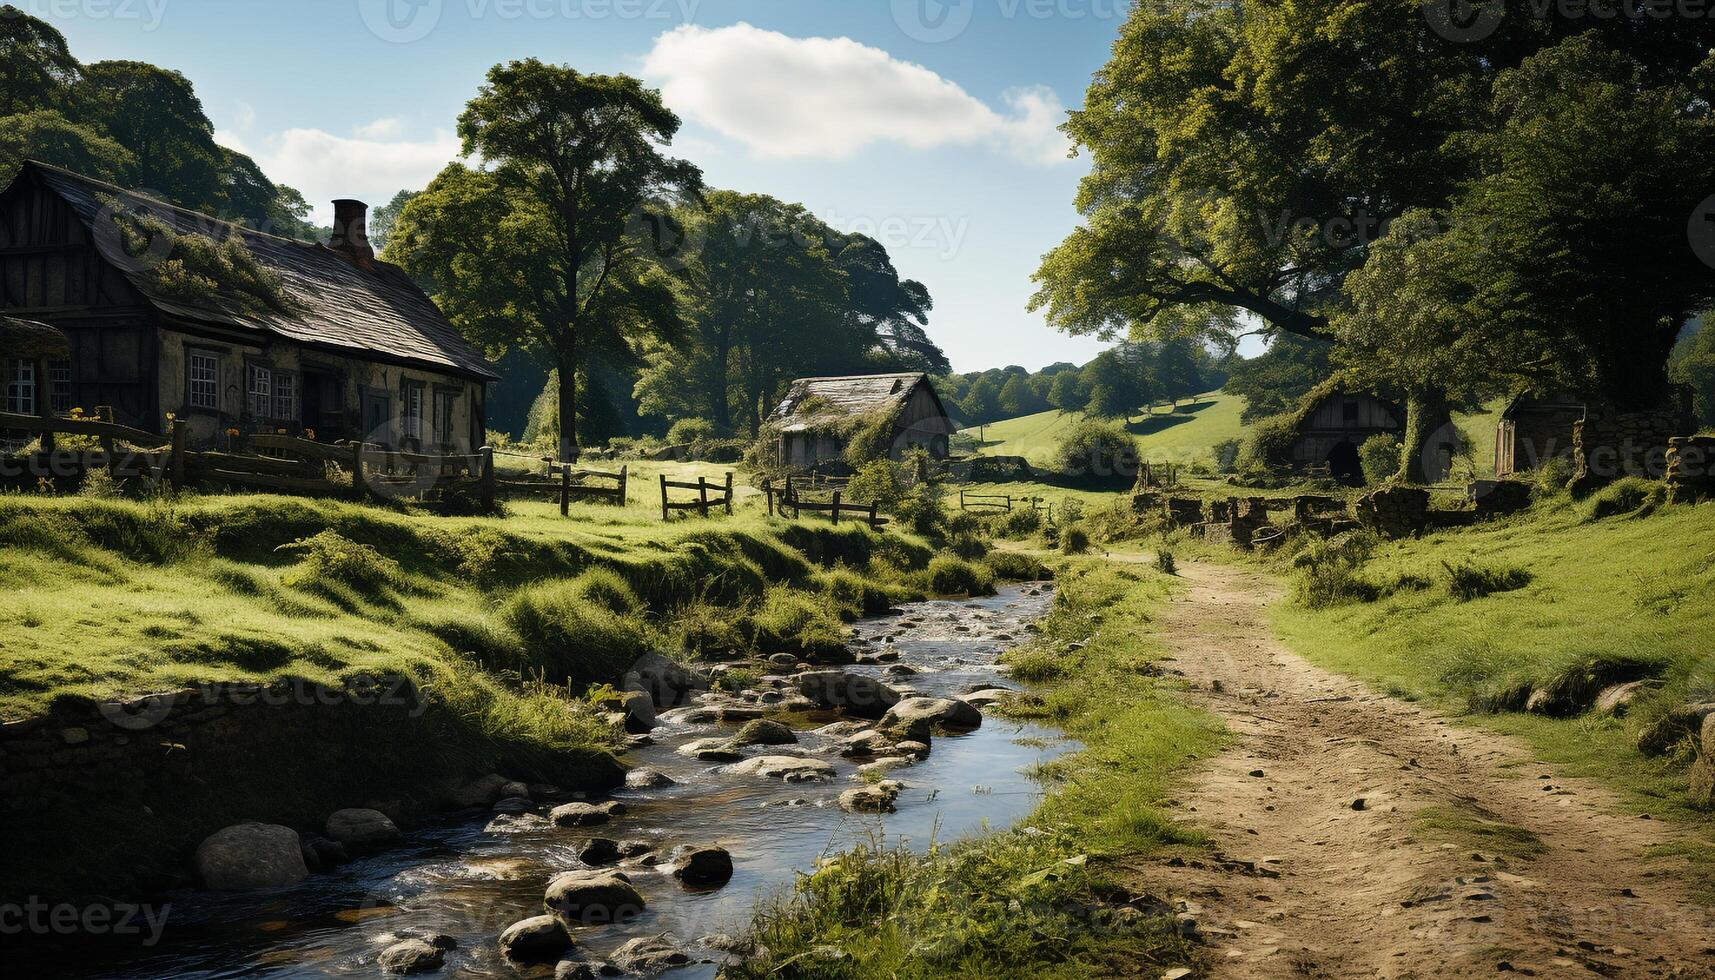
x=1691, y=468
x=1608, y=445
x=1394, y=512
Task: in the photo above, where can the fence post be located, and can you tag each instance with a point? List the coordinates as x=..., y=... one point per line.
x=1009, y=503
x=768, y=493
x=702, y=496
x=487, y=454
x=836, y=510
x=729, y=494
x=357, y=486
x=622, y=478
x=663, y=496
x=178, y=454
x=565, y=489
x=961, y=499
x=874, y=515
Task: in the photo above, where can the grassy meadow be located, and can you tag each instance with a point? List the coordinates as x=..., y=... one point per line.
x=1184, y=434
x=1038, y=900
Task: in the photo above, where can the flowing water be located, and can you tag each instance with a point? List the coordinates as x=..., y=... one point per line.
x=469, y=880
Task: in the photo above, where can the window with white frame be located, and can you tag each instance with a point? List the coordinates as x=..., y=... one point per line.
x=21, y=387
x=411, y=409
x=59, y=385
x=444, y=416
x=285, y=397
x=261, y=391
x=202, y=373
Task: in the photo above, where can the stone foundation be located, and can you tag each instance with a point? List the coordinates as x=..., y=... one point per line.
x=1609, y=445
x=1395, y=512
x=1495, y=498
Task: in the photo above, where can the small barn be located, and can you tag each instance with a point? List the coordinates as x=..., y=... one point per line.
x=169, y=312
x=820, y=416
x=1535, y=429
x=1332, y=425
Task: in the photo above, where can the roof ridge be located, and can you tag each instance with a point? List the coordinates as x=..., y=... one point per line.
x=163, y=202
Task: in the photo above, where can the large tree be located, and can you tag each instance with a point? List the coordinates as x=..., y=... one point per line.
x=36, y=66
x=554, y=245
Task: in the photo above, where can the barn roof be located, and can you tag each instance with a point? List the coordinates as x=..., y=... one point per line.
x=27, y=338
x=844, y=397
x=333, y=302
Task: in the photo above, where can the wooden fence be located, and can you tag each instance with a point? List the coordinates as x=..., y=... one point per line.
x=702, y=504
x=790, y=498
x=1001, y=503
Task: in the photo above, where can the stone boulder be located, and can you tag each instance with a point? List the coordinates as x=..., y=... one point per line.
x=870, y=799
x=944, y=712
x=667, y=682
x=412, y=956
x=361, y=828
x=538, y=939
x=1685, y=721
x=1709, y=736
x=866, y=743
x=578, y=815
x=705, y=867
x=987, y=696
x=647, y=955
x=855, y=693
x=790, y=768
x=1617, y=699
x=599, y=851
x=646, y=778
x=585, y=898
x=478, y=792
x=251, y=855
x=711, y=750
x=762, y=732
x=516, y=789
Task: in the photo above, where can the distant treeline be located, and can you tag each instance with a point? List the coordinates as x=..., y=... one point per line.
x=1116, y=384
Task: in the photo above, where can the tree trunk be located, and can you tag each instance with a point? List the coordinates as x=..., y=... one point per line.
x=1428, y=427
x=718, y=390
x=569, y=403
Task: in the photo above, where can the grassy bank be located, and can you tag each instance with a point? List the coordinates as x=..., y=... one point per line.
x=507, y=627
x=1038, y=900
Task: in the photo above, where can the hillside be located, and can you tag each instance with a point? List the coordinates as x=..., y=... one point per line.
x=1185, y=434
x=1190, y=432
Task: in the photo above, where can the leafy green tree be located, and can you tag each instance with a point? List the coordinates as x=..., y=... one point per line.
x=1015, y=397
x=1694, y=364
x=383, y=218
x=895, y=310
x=981, y=404
x=1276, y=380
x=1177, y=371
x=36, y=67
x=47, y=136
x=1068, y=393
x=555, y=247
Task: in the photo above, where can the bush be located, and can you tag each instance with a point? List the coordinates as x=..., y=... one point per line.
x=330, y=557
x=952, y=575
x=792, y=621
x=1165, y=562
x=578, y=630
x=1552, y=476
x=1270, y=443
x=1227, y=453
x=1074, y=540
x=1097, y=449
x=854, y=594
x=686, y=431
x=1379, y=457
x=967, y=545
x=1016, y=525
x=1632, y=495
x=1467, y=582
x=879, y=482
x=923, y=508
x=1012, y=566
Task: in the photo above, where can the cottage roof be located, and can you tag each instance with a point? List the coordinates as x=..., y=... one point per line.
x=29, y=339
x=333, y=301
x=843, y=397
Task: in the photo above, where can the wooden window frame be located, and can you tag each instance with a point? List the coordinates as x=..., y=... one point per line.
x=191, y=354
x=16, y=385
x=62, y=401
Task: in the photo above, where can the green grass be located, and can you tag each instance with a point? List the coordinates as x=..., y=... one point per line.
x=1568, y=602
x=1478, y=833
x=1039, y=900
x=1183, y=435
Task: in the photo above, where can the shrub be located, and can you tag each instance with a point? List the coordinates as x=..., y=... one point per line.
x=1165, y=562
x=967, y=545
x=686, y=431
x=878, y=482
x=1632, y=495
x=952, y=575
x=793, y=621
x=1270, y=443
x=923, y=508
x=1552, y=476
x=1074, y=540
x=1334, y=583
x=1015, y=567
x=1467, y=582
x=573, y=629
x=328, y=556
x=98, y=484
x=1097, y=449
x=854, y=594
x=1379, y=457
x=1016, y=524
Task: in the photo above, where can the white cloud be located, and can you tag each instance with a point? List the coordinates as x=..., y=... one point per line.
x=382, y=129
x=827, y=98
x=325, y=166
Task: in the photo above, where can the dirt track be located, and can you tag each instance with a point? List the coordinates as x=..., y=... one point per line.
x=1309, y=886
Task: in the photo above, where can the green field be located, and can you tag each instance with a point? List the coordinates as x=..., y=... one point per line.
x=1185, y=434
x=1190, y=432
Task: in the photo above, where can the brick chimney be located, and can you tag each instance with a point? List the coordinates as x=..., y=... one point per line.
x=351, y=231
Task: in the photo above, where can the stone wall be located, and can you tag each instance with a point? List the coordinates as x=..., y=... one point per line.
x=1394, y=512
x=1609, y=445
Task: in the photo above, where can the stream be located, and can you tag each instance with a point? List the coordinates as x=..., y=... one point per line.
x=469, y=880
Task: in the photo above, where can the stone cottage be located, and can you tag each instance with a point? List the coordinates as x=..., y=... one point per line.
x=171, y=312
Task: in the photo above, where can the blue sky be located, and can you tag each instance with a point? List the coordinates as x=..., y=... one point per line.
x=927, y=124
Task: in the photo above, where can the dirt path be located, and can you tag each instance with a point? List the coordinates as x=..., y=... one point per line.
x=1309, y=885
